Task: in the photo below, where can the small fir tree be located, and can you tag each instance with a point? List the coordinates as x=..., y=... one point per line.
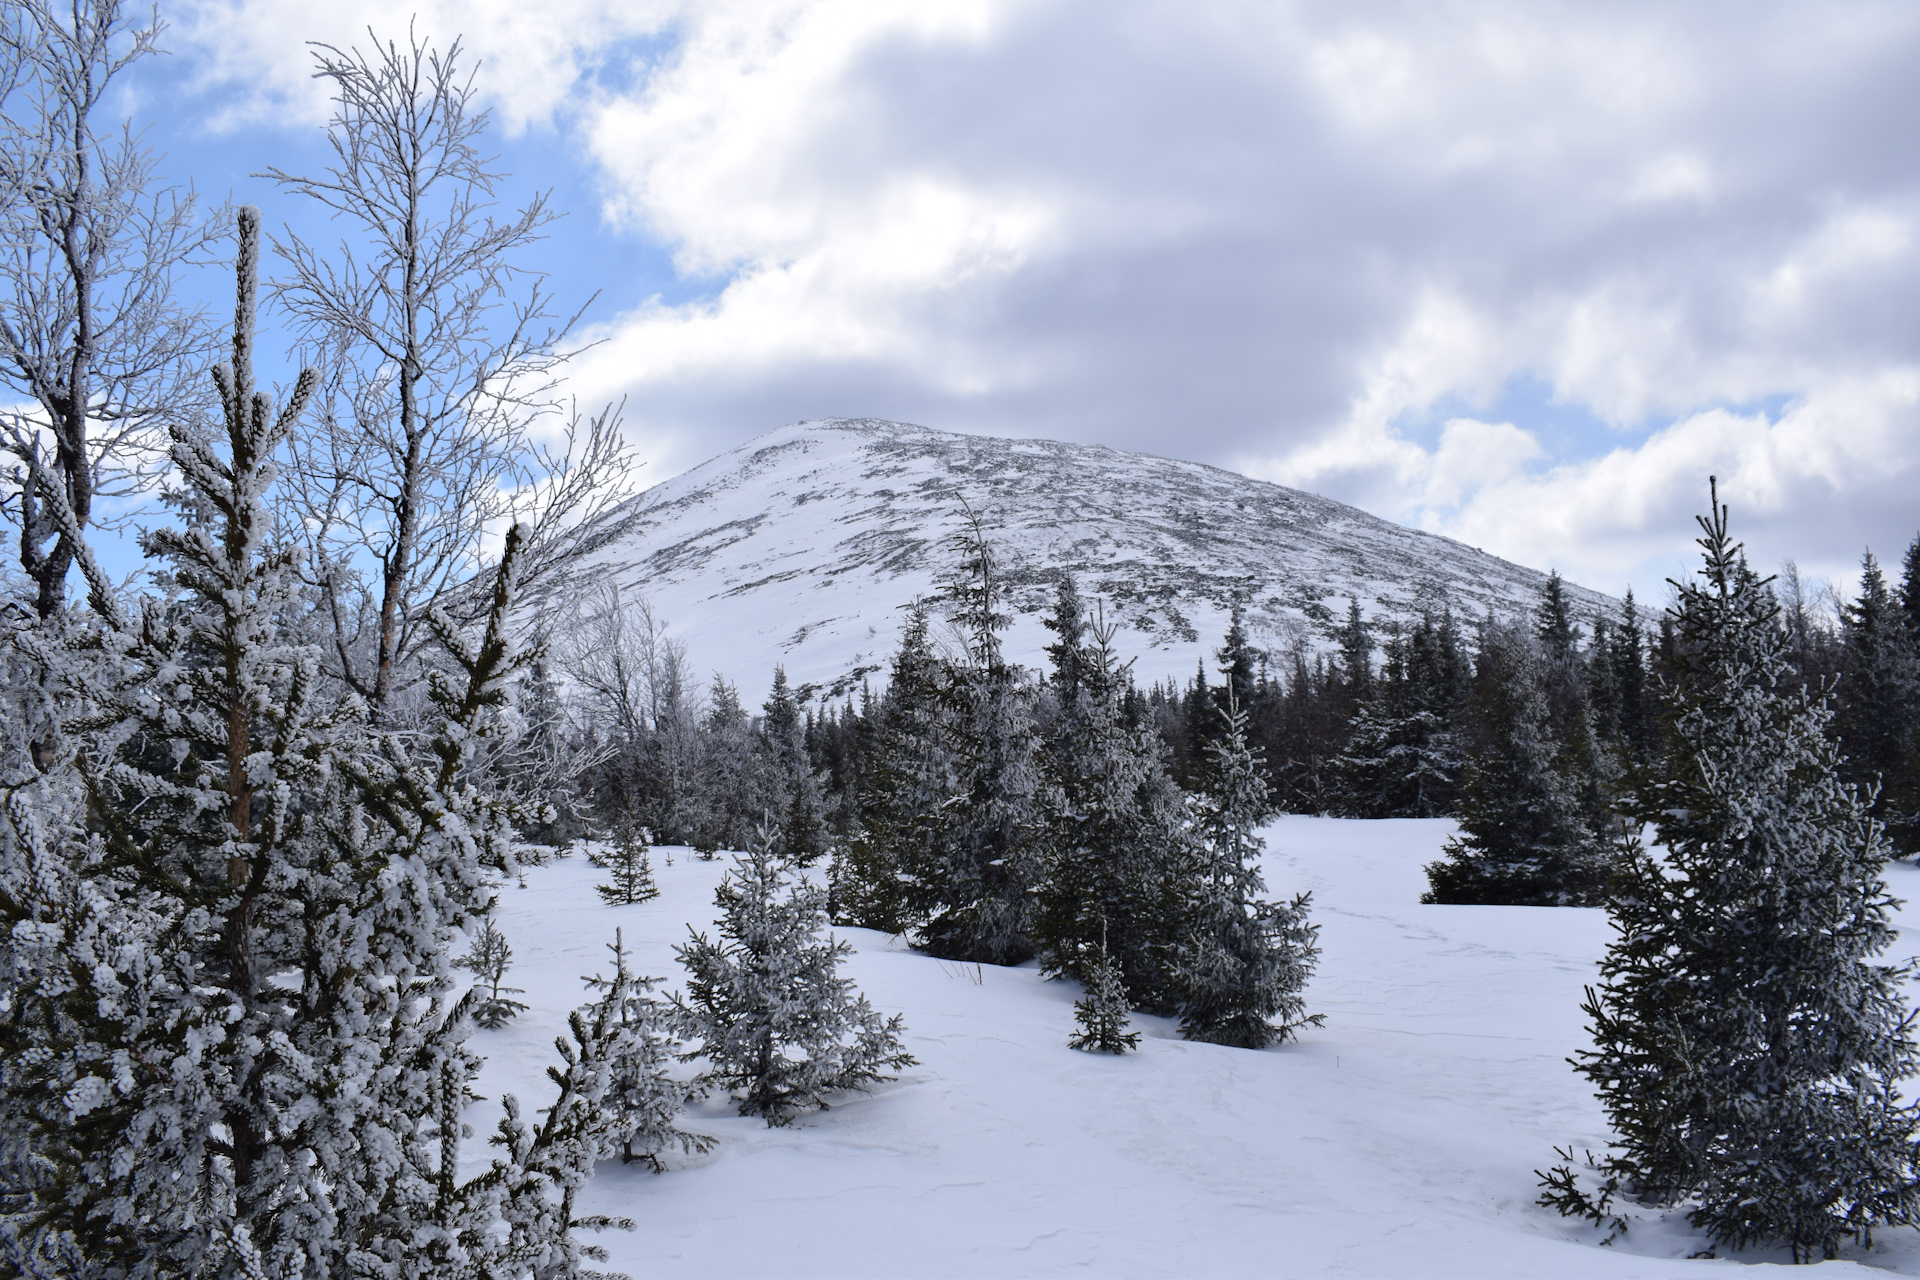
x=629, y=868
x=909, y=777
x=1748, y=1048
x=1245, y=964
x=641, y=1092
x=490, y=958
x=1101, y=1015
x=1114, y=840
x=969, y=886
x=1524, y=840
x=777, y=1024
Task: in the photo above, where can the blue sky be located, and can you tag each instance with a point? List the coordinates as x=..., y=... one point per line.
x=1519, y=273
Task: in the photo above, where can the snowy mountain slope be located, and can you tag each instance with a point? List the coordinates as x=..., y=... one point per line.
x=1399, y=1140
x=803, y=546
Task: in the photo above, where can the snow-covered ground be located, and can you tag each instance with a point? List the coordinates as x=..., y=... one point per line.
x=1398, y=1140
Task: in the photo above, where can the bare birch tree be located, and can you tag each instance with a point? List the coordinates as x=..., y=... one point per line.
x=93, y=338
x=618, y=657
x=442, y=356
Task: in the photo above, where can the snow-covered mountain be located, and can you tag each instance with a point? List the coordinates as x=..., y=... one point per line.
x=804, y=546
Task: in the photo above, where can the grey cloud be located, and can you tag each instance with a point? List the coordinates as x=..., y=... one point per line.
x=1238, y=254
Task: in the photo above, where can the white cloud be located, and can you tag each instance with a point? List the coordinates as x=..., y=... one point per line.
x=1673, y=177
x=1273, y=235
x=532, y=55
x=1850, y=451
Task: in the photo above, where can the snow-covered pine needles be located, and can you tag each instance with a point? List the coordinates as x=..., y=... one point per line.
x=630, y=872
x=1100, y=1016
x=776, y=1023
x=1749, y=1048
x=490, y=957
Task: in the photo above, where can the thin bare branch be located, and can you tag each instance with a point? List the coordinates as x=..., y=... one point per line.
x=442, y=357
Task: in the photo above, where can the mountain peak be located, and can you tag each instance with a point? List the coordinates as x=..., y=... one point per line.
x=804, y=546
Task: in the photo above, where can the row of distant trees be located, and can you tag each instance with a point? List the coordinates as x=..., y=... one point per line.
x=1531, y=729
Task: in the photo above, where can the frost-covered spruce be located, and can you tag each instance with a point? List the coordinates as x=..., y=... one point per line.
x=1524, y=840
x=629, y=870
x=895, y=820
x=1878, y=712
x=1244, y=962
x=1115, y=838
x=1402, y=759
x=972, y=888
x=642, y=1091
x=777, y=1024
x=1100, y=1016
x=912, y=773
x=1748, y=1048
x=233, y=1044
x=785, y=731
x=490, y=957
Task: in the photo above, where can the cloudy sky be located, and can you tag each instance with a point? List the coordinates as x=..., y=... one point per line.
x=1522, y=273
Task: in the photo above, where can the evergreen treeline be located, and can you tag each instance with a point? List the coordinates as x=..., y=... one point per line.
x=1531, y=731
x=959, y=798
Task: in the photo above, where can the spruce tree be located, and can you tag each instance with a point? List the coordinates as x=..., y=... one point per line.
x=1910, y=590
x=1356, y=653
x=1100, y=1017
x=1401, y=760
x=1903, y=790
x=642, y=1094
x=1523, y=840
x=1879, y=703
x=1639, y=735
x=1748, y=1047
x=1068, y=622
x=231, y=1040
x=776, y=1023
x=1198, y=710
x=1589, y=771
x=734, y=781
x=629, y=869
x=1237, y=657
x=969, y=888
x=911, y=772
x=490, y=957
x=795, y=784
x=1115, y=837
x=1244, y=962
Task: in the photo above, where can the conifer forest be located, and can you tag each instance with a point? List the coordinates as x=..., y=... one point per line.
x=278, y=807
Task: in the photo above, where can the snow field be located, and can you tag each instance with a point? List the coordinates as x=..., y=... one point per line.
x=1398, y=1140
